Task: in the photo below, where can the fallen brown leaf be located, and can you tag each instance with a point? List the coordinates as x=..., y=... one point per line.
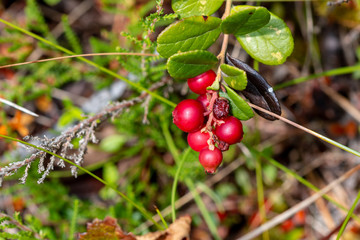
x=108, y=229
x=178, y=230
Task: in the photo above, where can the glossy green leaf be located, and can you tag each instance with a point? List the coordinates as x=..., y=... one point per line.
x=238, y=106
x=271, y=44
x=190, y=64
x=245, y=19
x=193, y=33
x=234, y=77
x=187, y=8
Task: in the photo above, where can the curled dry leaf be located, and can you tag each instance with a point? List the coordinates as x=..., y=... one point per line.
x=108, y=229
x=178, y=230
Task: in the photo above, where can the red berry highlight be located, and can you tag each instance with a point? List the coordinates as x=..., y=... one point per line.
x=230, y=131
x=210, y=159
x=204, y=101
x=188, y=115
x=198, y=140
x=199, y=83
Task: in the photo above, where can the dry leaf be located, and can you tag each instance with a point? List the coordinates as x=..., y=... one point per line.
x=178, y=230
x=108, y=229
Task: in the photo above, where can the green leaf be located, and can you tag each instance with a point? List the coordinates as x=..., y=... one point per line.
x=190, y=64
x=238, y=106
x=193, y=33
x=187, y=8
x=113, y=143
x=245, y=19
x=270, y=174
x=71, y=114
x=110, y=173
x=243, y=180
x=271, y=44
x=234, y=77
x=215, y=86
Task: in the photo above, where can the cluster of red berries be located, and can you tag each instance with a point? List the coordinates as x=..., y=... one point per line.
x=206, y=120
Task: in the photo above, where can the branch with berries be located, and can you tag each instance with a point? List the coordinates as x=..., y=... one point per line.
x=207, y=121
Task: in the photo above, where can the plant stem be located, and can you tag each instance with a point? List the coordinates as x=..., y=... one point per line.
x=175, y=182
x=343, y=226
x=73, y=219
x=224, y=44
x=328, y=140
x=161, y=217
x=260, y=195
x=174, y=152
x=204, y=211
x=333, y=72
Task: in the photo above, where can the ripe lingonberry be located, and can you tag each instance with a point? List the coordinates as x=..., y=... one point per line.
x=188, y=115
x=198, y=140
x=221, y=108
x=199, y=83
x=230, y=131
x=210, y=159
x=204, y=100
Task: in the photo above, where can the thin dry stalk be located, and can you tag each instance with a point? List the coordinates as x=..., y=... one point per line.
x=342, y=102
x=302, y=205
x=79, y=55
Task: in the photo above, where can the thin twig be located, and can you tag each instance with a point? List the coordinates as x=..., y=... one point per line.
x=80, y=55
x=328, y=140
x=221, y=55
x=343, y=102
x=11, y=104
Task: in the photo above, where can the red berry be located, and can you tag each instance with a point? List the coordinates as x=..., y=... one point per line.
x=210, y=159
x=198, y=140
x=230, y=131
x=204, y=100
x=199, y=83
x=188, y=115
